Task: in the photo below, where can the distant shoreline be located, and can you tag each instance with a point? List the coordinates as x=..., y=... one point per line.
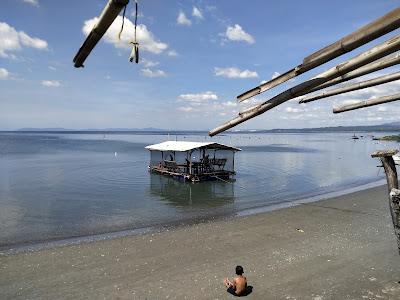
x=352, y=129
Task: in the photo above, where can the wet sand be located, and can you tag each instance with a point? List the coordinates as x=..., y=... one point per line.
x=339, y=248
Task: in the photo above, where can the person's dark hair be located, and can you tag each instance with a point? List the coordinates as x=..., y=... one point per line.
x=239, y=270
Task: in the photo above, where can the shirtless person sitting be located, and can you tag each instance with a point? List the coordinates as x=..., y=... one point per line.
x=239, y=285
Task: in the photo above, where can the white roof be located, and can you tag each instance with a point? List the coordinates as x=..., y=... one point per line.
x=186, y=146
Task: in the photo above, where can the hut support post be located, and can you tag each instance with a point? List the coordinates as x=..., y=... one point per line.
x=388, y=164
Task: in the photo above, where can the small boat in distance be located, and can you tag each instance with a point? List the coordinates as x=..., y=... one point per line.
x=354, y=137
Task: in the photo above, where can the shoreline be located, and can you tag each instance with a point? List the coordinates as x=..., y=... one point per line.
x=337, y=248
x=84, y=239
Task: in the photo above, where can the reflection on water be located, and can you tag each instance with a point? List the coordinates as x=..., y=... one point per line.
x=188, y=195
x=54, y=186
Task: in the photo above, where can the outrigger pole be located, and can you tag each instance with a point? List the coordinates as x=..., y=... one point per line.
x=373, y=54
x=353, y=87
x=365, y=34
x=107, y=17
x=367, y=103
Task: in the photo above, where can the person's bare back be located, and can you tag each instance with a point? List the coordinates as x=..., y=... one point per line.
x=238, y=286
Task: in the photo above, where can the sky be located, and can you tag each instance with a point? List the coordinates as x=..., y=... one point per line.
x=196, y=56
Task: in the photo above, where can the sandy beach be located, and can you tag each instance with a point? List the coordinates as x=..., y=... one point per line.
x=339, y=248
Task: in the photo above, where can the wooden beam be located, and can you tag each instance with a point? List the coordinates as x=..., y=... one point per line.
x=375, y=53
x=366, y=103
x=353, y=87
x=107, y=17
x=386, y=157
x=363, y=35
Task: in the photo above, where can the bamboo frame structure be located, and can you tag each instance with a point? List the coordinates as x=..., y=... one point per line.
x=367, y=103
x=363, y=35
x=352, y=87
x=380, y=64
x=373, y=54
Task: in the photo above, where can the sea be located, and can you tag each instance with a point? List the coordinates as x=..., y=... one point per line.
x=68, y=187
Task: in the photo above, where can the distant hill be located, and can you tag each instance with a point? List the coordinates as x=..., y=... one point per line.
x=393, y=124
x=392, y=127
x=59, y=129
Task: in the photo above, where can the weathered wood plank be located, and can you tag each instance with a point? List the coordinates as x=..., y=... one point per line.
x=384, y=153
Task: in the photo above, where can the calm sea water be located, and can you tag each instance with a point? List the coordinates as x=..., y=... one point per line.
x=55, y=186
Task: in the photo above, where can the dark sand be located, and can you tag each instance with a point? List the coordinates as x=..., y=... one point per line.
x=347, y=251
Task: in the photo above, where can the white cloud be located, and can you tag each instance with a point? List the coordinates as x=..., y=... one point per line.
x=276, y=74
x=199, y=98
x=51, y=83
x=234, y=73
x=229, y=104
x=382, y=108
x=146, y=39
x=293, y=110
x=172, y=53
x=236, y=33
x=13, y=40
x=186, y=108
x=52, y=68
x=4, y=73
x=148, y=63
x=183, y=20
x=32, y=2
x=197, y=13
x=153, y=73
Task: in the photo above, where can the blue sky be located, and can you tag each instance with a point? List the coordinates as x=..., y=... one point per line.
x=196, y=57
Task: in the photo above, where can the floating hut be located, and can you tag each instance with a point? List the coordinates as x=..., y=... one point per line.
x=193, y=161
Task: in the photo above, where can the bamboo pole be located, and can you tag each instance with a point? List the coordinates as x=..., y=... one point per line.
x=367, y=103
x=352, y=87
x=386, y=157
x=107, y=17
x=363, y=35
x=377, y=52
x=369, y=68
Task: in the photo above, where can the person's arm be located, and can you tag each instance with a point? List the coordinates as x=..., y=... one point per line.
x=228, y=283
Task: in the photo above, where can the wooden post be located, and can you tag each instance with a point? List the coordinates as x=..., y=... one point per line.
x=394, y=202
x=388, y=164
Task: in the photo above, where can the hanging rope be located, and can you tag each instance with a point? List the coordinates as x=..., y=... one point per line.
x=123, y=21
x=136, y=12
x=135, y=49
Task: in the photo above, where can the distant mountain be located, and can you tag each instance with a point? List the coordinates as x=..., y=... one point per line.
x=45, y=129
x=59, y=129
x=394, y=126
